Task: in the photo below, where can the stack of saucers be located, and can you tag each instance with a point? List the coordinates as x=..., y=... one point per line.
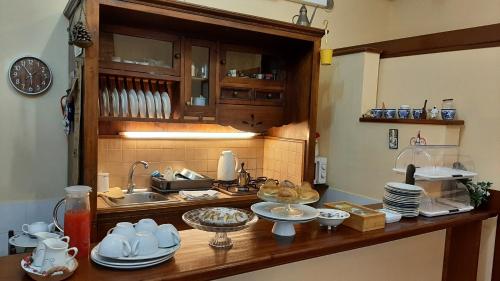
x=402, y=198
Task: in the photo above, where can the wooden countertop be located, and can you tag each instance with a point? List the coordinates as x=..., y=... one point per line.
x=255, y=248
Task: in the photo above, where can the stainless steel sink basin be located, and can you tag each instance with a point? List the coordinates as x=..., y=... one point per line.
x=138, y=198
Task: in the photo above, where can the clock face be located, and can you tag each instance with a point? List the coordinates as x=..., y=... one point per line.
x=30, y=76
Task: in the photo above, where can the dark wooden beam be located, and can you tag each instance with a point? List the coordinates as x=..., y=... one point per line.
x=463, y=39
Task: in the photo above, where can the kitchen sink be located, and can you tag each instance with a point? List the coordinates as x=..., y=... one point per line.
x=139, y=198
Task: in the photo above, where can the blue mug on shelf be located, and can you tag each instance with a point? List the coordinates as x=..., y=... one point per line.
x=448, y=114
x=390, y=113
x=377, y=113
x=404, y=113
x=417, y=113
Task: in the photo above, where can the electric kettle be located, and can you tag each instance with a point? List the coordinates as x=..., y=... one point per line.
x=226, y=168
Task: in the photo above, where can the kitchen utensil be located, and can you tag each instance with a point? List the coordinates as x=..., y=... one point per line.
x=332, y=217
x=302, y=18
x=417, y=113
x=144, y=243
x=165, y=99
x=141, y=98
x=361, y=218
x=57, y=274
x=76, y=217
x=424, y=111
x=243, y=176
x=39, y=252
x=102, y=182
x=133, y=263
x=390, y=216
x=167, y=236
x=56, y=254
x=150, y=101
x=418, y=140
x=284, y=225
x=132, y=97
x=448, y=114
x=158, y=254
x=157, y=99
x=189, y=174
x=104, y=98
x=146, y=225
x=226, y=168
x=124, y=106
x=404, y=113
x=115, y=98
x=115, y=246
x=199, y=194
x=23, y=241
x=220, y=240
x=377, y=112
x=124, y=228
x=390, y=113
x=38, y=226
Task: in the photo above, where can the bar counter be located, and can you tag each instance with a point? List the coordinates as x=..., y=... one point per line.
x=257, y=248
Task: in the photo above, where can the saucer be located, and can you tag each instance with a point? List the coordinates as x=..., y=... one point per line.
x=161, y=252
x=23, y=240
x=34, y=271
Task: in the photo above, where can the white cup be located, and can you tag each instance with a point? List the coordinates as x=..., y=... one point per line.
x=145, y=244
x=38, y=226
x=124, y=228
x=114, y=246
x=56, y=254
x=39, y=252
x=146, y=225
x=167, y=236
x=200, y=101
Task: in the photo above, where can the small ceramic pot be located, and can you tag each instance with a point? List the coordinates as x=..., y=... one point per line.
x=448, y=114
x=390, y=113
x=377, y=112
x=417, y=113
x=404, y=113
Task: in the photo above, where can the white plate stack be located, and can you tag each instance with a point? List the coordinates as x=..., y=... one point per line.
x=402, y=198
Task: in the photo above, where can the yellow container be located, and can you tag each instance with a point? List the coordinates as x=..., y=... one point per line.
x=326, y=56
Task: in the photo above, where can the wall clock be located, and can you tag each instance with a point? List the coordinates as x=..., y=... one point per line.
x=30, y=76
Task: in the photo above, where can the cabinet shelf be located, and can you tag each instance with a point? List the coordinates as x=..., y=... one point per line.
x=413, y=121
x=136, y=70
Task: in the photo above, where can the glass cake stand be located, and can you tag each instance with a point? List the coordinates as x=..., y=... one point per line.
x=220, y=240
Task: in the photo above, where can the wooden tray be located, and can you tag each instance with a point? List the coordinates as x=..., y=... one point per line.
x=362, y=218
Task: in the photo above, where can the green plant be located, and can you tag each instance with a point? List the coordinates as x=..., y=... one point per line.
x=478, y=192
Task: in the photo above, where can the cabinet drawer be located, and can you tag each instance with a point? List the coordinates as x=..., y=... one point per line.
x=263, y=97
x=236, y=95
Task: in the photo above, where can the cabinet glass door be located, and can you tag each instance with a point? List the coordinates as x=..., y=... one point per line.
x=200, y=78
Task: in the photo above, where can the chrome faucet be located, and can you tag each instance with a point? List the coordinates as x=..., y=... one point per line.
x=131, y=184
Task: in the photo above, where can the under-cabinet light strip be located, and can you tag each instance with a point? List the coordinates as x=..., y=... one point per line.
x=187, y=135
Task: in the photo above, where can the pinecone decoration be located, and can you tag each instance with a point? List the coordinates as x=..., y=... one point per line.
x=81, y=36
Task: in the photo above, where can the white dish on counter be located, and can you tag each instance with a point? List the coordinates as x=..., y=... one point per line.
x=264, y=209
x=332, y=217
x=160, y=253
x=127, y=265
x=390, y=216
x=23, y=241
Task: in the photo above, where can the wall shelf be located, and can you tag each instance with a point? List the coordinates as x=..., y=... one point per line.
x=413, y=121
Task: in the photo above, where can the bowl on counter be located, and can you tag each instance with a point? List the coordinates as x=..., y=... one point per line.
x=448, y=114
x=390, y=113
x=377, y=112
x=332, y=217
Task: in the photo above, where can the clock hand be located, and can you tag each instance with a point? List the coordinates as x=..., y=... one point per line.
x=27, y=70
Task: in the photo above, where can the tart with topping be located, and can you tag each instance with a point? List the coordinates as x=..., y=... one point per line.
x=223, y=217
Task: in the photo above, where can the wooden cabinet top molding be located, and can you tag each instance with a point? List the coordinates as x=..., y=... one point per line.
x=217, y=17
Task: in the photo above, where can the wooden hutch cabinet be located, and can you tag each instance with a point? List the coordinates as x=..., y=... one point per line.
x=219, y=69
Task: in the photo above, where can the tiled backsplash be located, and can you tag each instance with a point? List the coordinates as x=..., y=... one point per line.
x=283, y=159
x=116, y=156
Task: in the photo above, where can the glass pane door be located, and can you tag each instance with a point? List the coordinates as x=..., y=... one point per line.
x=200, y=73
